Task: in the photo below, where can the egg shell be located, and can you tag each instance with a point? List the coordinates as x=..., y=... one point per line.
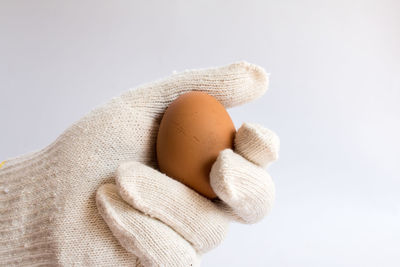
x=194, y=129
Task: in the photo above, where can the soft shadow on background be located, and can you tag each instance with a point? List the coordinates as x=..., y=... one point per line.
x=333, y=99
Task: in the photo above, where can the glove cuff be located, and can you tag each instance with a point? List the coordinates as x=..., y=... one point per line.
x=28, y=203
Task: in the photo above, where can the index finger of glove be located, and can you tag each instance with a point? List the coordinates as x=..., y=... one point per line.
x=152, y=241
x=232, y=85
x=194, y=217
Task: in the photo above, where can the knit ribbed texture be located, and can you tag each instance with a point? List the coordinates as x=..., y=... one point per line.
x=48, y=212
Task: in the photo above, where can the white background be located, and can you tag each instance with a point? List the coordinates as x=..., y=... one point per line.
x=333, y=99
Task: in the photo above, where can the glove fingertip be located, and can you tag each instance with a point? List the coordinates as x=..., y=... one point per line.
x=246, y=188
x=257, y=144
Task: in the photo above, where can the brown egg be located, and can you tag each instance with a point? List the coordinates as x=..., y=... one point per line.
x=193, y=130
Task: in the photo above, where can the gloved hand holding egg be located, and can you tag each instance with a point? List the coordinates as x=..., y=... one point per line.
x=208, y=175
x=153, y=177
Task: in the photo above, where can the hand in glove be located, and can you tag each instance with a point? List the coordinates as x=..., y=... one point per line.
x=48, y=212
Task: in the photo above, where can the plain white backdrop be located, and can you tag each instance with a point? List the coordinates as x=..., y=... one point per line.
x=333, y=99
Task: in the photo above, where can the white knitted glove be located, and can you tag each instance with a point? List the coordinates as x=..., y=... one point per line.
x=48, y=213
